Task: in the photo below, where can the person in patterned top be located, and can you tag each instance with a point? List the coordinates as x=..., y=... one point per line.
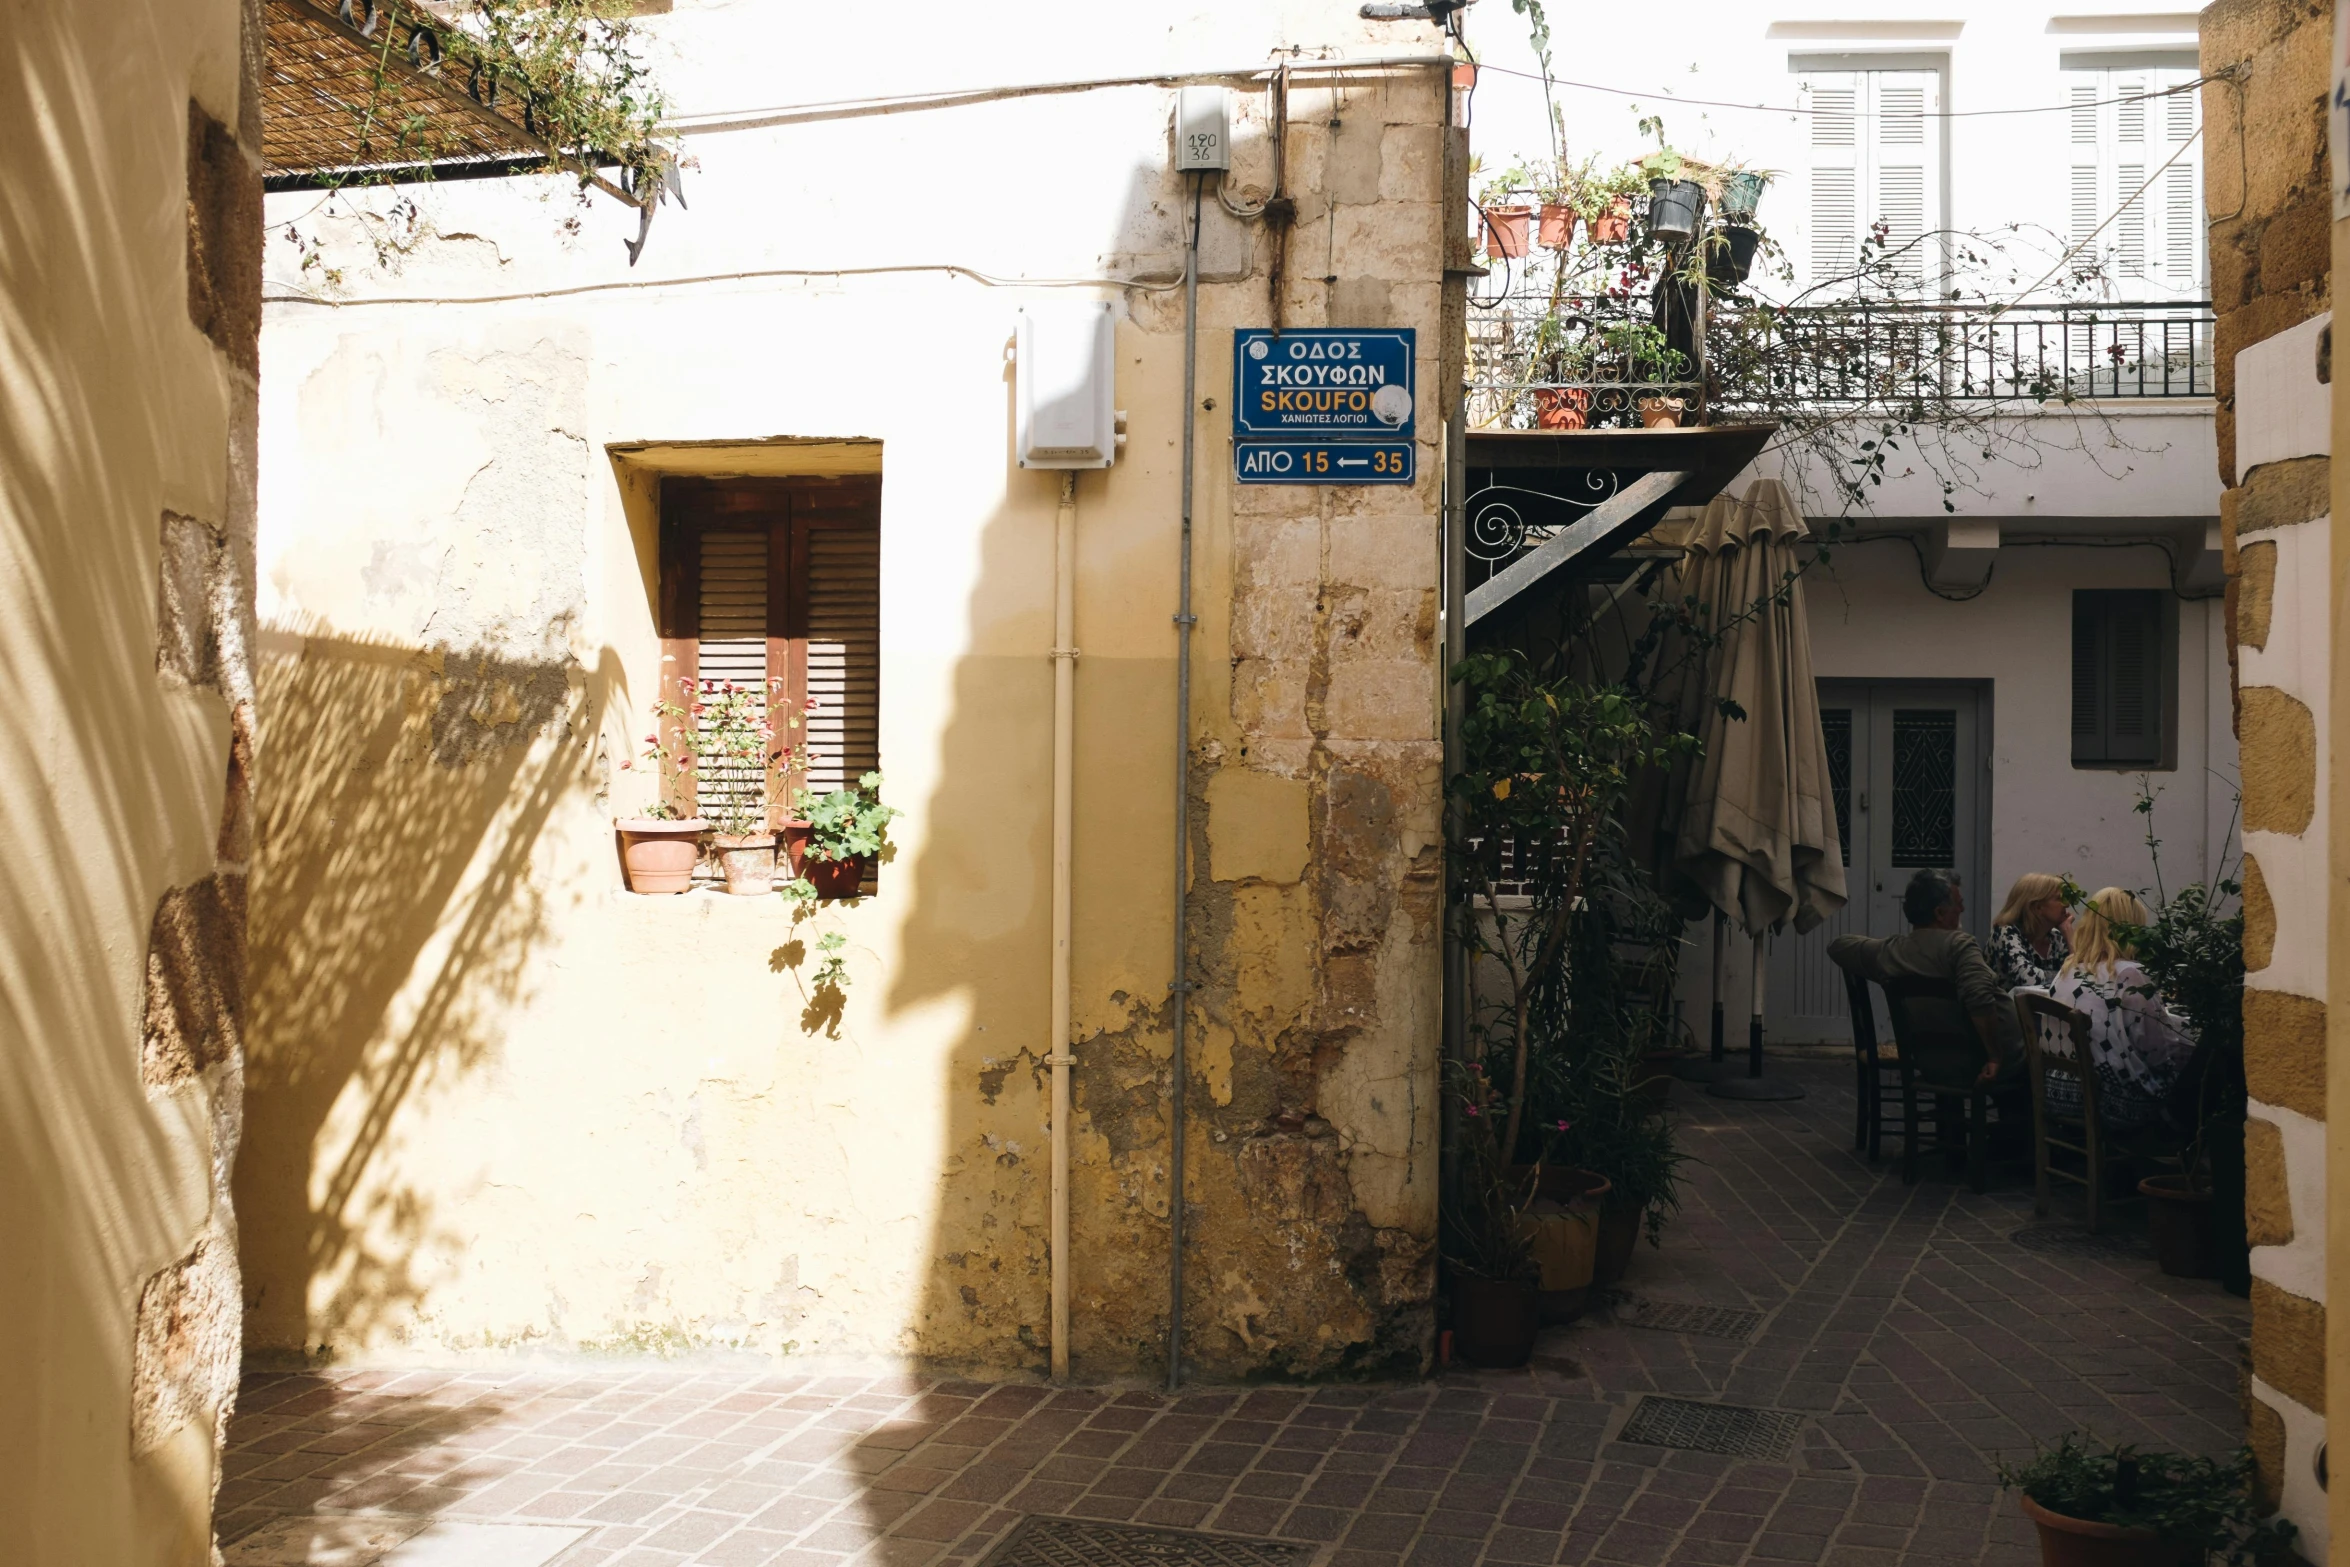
x=2138, y=1046
x=2031, y=937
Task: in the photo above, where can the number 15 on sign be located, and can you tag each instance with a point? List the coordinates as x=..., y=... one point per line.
x=1324, y=462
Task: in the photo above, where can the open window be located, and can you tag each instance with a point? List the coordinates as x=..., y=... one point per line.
x=778, y=582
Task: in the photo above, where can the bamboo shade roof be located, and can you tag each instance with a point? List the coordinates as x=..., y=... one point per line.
x=360, y=87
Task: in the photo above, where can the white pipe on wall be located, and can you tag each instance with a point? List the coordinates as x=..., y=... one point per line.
x=1064, y=748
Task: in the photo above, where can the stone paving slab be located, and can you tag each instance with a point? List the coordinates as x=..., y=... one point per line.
x=1911, y=1335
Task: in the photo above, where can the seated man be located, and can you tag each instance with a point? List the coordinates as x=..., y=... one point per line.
x=1936, y=948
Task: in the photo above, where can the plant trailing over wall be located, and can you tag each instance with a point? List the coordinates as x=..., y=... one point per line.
x=2200, y=1503
x=847, y=824
x=567, y=73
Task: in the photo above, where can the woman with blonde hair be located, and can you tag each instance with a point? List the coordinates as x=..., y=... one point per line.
x=2137, y=1045
x=2029, y=940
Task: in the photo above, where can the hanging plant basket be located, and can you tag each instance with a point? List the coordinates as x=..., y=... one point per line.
x=1506, y=230
x=1613, y=226
x=1673, y=209
x=1741, y=194
x=1732, y=261
x=1556, y=227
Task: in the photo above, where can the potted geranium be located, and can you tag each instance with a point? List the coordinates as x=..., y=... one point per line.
x=722, y=748
x=659, y=849
x=2119, y=1507
x=847, y=831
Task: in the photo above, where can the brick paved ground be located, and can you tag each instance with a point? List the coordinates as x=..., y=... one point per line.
x=1910, y=1333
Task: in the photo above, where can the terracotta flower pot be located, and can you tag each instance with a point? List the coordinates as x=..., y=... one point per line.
x=748, y=862
x=1562, y=407
x=1505, y=231
x=658, y=856
x=1563, y=1233
x=1555, y=228
x=1494, y=1322
x=836, y=878
x=1619, y=1234
x=1613, y=226
x=794, y=836
x=2076, y=1542
x=2179, y=1220
x=1661, y=413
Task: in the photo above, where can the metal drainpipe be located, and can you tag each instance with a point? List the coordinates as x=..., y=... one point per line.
x=1180, y=987
x=1064, y=656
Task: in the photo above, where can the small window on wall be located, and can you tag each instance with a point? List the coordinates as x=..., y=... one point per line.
x=779, y=580
x=2124, y=644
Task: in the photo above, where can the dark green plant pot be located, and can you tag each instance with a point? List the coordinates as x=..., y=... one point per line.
x=1673, y=207
x=1494, y=1321
x=2180, y=1222
x=1741, y=194
x=1619, y=1233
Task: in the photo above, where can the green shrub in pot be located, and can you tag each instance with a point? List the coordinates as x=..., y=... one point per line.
x=2170, y=1506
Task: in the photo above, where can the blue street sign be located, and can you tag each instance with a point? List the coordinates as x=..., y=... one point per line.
x=1326, y=382
x=1323, y=462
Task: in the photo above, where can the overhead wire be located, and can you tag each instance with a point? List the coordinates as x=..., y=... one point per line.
x=1842, y=114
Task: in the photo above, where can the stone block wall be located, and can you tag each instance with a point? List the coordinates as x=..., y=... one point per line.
x=2270, y=240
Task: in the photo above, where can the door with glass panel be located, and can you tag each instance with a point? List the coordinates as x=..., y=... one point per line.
x=1907, y=765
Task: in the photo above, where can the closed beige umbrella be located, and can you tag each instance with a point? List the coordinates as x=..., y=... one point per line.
x=1758, y=824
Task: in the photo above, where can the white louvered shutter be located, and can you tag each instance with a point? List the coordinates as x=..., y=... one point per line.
x=1834, y=98
x=844, y=656
x=733, y=646
x=1875, y=160
x=2123, y=132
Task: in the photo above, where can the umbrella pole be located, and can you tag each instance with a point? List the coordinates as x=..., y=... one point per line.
x=1695, y=1071
x=1754, y=1085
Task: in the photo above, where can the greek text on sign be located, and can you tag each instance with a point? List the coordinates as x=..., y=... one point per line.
x=1326, y=382
x=1324, y=462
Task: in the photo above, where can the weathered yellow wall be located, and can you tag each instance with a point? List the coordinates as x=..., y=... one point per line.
x=499, y=1103
x=126, y=510
x=2271, y=219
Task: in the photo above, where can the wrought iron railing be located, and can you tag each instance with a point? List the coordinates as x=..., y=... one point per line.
x=1532, y=365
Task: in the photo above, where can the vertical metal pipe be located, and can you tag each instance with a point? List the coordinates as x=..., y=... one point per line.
x=1064, y=773
x=1721, y=977
x=1754, y=1026
x=1180, y=987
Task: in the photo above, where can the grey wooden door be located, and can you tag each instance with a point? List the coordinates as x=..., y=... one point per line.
x=1908, y=764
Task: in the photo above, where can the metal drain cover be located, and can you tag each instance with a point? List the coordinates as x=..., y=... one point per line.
x=2065, y=1240
x=1710, y=1428
x=1672, y=1316
x=1089, y=1542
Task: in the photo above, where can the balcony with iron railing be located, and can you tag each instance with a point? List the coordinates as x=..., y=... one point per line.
x=1592, y=361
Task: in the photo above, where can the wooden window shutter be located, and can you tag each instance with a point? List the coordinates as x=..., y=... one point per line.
x=1834, y=98
x=2119, y=656
x=836, y=553
x=678, y=601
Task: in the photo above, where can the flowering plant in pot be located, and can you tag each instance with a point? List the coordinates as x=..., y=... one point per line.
x=724, y=739
x=848, y=830
x=660, y=847
x=2119, y=1507
x=1489, y=1247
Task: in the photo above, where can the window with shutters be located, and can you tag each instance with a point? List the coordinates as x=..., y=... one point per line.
x=2134, y=177
x=2124, y=645
x=779, y=581
x=1875, y=158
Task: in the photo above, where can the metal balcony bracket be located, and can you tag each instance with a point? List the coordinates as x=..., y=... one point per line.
x=1606, y=526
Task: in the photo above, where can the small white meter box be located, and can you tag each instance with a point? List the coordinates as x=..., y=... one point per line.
x=1203, y=129
x=1065, y=406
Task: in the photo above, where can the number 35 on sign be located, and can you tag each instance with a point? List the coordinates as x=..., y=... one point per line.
x=1324, y=462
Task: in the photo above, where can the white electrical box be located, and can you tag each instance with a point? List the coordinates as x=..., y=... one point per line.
x=1065, y=407
x=1203, y=129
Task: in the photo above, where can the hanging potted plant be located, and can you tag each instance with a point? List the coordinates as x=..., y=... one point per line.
x=1741, y=193
x=847, y=831
x=1730, y=252
x=1605, y=204
x=1676, y=200
x=2120, y=1507
x=1505, y=231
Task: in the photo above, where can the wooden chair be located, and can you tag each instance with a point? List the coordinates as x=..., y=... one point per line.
x=1876, y=1073
x=1940, y=1054
x=2098, y=1147
x=2054, y=1131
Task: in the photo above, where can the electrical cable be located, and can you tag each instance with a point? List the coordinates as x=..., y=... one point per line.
x=986, y=279
x=1845, y=114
